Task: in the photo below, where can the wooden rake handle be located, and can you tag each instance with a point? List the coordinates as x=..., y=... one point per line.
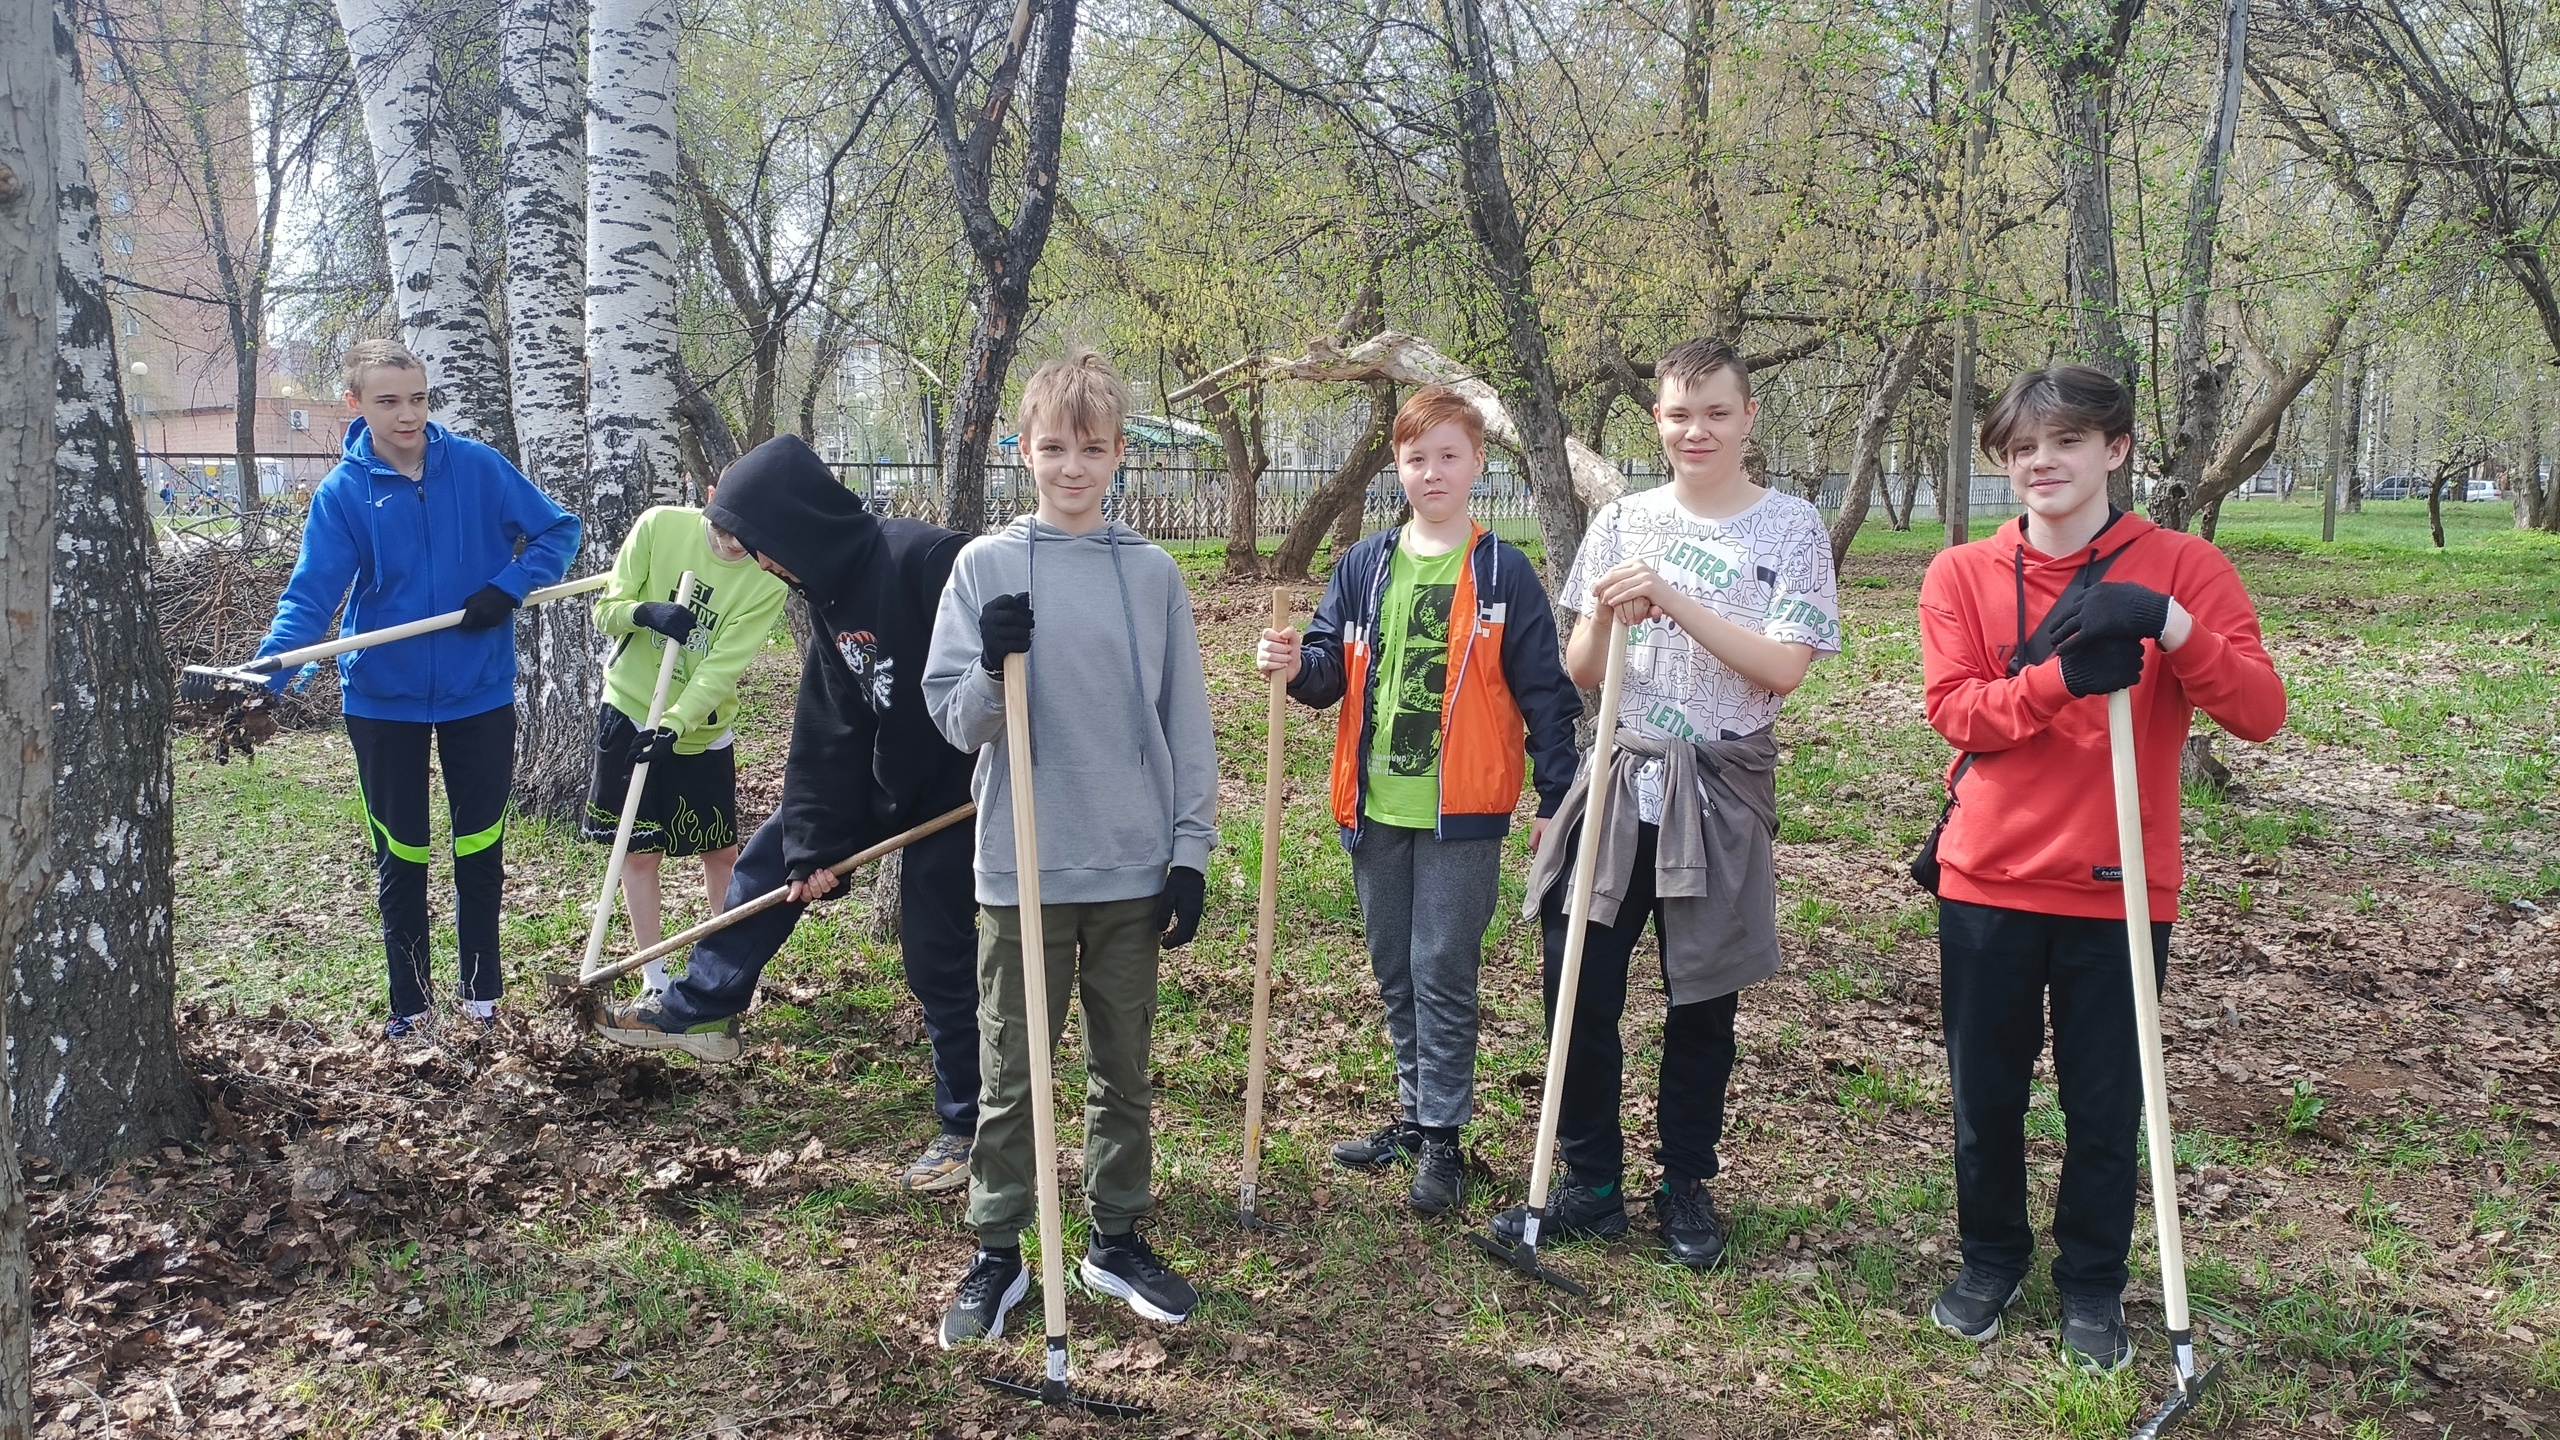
x=1275, y=766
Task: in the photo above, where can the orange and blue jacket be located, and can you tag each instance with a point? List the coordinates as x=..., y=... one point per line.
x=1507, y=702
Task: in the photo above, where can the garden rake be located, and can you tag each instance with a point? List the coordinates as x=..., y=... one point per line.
x=575, y=991
x=2155, y=1078
x=1052, y=1388
x=199, y=683
x=669, y=651
x=1523, y=1257
x=1266, y=920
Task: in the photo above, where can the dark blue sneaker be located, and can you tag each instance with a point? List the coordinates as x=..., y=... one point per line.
x=2093, y=1335
x=1972, y=1303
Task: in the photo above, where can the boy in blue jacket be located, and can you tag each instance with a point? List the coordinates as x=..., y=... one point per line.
x=417, y=521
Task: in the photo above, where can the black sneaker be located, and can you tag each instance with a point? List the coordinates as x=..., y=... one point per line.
x=1124, y=1266
x=2093, y=1335
x=1971, y=1304
x=995, y=1284
x=1439, y=1178
x=1574, y=1212
x=1394, y=1145
x=1686, y=1216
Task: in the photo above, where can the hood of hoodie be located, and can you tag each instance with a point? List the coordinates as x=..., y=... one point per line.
x=358, y=446
x=782, y=501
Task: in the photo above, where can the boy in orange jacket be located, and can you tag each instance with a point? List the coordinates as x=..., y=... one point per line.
x=2022, y=636
x=1437, y=641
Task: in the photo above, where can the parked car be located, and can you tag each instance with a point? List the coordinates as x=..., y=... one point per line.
x=2480, y=488
x=2396, y=487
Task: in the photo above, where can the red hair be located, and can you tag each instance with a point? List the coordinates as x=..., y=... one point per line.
x=1437, y=405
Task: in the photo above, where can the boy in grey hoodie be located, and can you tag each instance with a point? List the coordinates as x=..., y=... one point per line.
x=1127, y=779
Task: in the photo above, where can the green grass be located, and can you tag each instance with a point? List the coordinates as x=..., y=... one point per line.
x=1839, y=1192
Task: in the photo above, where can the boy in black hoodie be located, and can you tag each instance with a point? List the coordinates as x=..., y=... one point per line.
x=865, y=763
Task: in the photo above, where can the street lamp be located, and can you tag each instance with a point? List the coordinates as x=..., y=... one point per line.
x=141, y=371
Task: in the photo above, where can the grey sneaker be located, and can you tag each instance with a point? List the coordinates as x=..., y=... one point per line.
x=641, y=1025
x=1972, y=1303
x=995, y=1283
x=944, y=1165
x=2093, y=1335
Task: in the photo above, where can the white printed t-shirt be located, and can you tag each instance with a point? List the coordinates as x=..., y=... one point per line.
x=1766, y=569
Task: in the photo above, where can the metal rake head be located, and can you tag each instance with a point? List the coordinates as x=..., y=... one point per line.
x=200, y=683
x=1524, y=1258
x=1053, y=1389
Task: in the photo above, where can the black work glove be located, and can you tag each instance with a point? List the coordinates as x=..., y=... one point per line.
x=2100, y=665
x=1004, y=628
x=487, y=608
x=1178, y=908
x=651, y=746
x=664, y=616
x=2119, y=610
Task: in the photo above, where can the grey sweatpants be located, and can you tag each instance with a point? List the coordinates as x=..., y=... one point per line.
x=1426, y=903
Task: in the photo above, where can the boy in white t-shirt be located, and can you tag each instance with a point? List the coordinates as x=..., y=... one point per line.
x=1729, y=597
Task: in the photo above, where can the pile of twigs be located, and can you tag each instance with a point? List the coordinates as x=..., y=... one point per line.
x=217, y=596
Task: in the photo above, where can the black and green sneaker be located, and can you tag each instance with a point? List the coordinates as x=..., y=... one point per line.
x=1574, y=1212
x=641, y=1025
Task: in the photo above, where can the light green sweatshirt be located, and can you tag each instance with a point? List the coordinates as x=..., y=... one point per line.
x=735, y=605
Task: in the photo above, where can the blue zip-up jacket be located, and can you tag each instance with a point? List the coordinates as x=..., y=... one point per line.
x=1508, y=699
x=396, y=549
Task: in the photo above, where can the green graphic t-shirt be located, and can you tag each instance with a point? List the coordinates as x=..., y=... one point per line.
x=1413, y=674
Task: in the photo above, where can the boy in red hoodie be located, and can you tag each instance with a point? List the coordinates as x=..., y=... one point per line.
x=2022, y=636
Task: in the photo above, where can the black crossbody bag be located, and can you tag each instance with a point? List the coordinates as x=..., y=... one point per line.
x=2031, y=650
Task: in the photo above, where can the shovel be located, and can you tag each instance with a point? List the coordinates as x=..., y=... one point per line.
x=197, y=683
x=669, y=652
x=1523, y=1257
x=2155, y=1077
x=1052, y=1389
x=1266, y=921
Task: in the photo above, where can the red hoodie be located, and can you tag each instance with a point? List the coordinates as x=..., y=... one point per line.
x=2034, y=825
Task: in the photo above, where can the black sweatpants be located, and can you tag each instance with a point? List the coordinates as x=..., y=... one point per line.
x=937, y=943
x=1996, y=970
x=478, y=753
x=1697, y=1044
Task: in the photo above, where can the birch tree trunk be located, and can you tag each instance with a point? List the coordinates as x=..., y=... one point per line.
x=29, y=280
x=631, y=264
x=435, y=278
x=542, y=140
x=97, y=1074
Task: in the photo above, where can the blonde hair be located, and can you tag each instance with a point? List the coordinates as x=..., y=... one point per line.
x=1079, y=393
x=365, y=355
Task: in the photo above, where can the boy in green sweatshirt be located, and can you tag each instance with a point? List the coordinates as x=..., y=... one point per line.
x=689, y=804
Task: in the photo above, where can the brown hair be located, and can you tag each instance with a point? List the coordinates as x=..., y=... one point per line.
x=1691, y=361
x=1437, y=405
x=365, y=355
x=2078, y=396
x=1079, y=391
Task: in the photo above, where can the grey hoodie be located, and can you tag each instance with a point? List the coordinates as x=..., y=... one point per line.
x=1125, y=762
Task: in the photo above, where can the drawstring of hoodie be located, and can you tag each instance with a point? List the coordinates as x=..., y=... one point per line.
x=1128, y=628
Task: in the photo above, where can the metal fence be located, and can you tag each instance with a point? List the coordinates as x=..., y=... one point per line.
x=1188, y=504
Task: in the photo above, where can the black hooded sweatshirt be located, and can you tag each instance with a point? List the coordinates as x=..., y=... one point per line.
x=866, y=760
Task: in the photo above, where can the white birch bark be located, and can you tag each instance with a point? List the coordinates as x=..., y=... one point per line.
x=542, y=140
x=435, y=278
x=96, y=1069
x=29, y=280
x=631, y=255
